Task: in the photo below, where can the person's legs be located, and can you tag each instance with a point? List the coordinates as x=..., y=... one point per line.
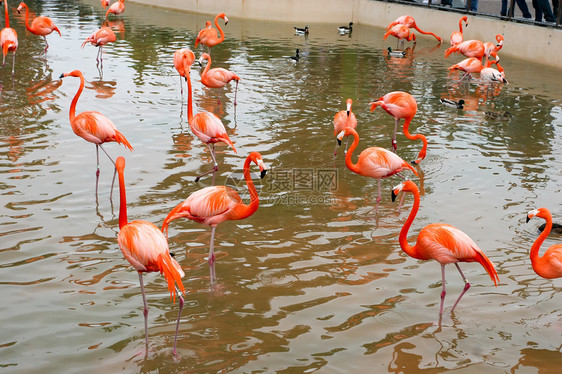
x=522, y=4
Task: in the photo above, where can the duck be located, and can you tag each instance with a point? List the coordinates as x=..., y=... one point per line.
x=501, y=116
x=452, y=103
x=556, y=228
x=345, y=29
x=396, y=53
x=301, y=31
x=296, y=57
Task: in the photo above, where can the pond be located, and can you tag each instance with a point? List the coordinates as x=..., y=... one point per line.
x=315, y=280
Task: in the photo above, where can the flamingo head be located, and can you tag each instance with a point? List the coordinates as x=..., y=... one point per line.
x=20, y=7
x=120, y=163
x=256, y=158
x=223, y=16
x=348, y=103
x=540, y=212
x=204, y=56
x=406, y=186
x=345, y=132
x=73, y=73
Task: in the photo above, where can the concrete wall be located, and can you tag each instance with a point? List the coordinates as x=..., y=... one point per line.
x=529, y=42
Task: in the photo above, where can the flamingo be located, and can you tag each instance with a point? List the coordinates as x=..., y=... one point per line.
x=99, y=38
x=409, y=22
x=146, y=249
x=443, y=243
x=104, y=3
x=217, y=77
x=215, y=204
x=8, y=39
x=401, y=32
x=41, y=25
x=469, y=65
x=476, y=48
x=550, y=264
x=183, y=59
x=343, y=119
x=491, y=75
x=491, y=49
x=456, y=36
x=208, y=36
x=373, y=162
x=116, y=8
x=400, y=105
x=94, y=127
x=208, y=128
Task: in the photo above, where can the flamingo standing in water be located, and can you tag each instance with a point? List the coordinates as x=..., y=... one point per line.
x=409, y=22
x=342, y=120
x=373, y=162
x=213, y=205
x=8, y=39
x=94, y=127
x=476, y=48
x=401, y=32
x=146, y=249
x=116, y=8
x=208, y=128
x=550, y=264
x=441, y=242
x=401, y=105
x=217, y=77
x=456, y=36
x=469, y=65
x=208, y=36
x=41, y=25
x=183, y=59
x=491, y=75
x=99, y=38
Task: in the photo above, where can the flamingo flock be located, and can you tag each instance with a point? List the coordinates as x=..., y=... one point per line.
x=145, y=246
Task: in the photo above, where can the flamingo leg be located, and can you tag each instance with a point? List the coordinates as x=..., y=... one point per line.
x=466, y=286
x=46, y=44
x=394, y=144
x=443, y=292
x=114, y=172
x=215, y=167
x=346, y=144
x=336, y=149
x=211, y=259
x=178, y=322
x=13, y=63
x=145, y=313
x=235, y=93
x=97, y=168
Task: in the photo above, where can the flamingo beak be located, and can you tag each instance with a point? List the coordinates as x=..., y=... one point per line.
x=527, y=219
x=340, y=136
x=263, y=168
x=61, y=76
x=394, y=195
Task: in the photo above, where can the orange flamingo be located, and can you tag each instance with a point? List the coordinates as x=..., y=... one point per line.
x=491, y=49
x=400, y=105
x=476, y=48
x=99, y=38
x=213, y=205
x=94, y=127
x=208, y=128
x=469, y=65
x=8, y=39
x=208, y=36
x=456, y=36
x=550, y=264
x=491, y=75
x=116, y=8
x=409, y=22
x=41, y=25
x=343, y=119
x=183, y=59
x=217, y=77
x=373, y=162
x=104, y=3
x=442, y=243
x=401, y=32
x=146, y=249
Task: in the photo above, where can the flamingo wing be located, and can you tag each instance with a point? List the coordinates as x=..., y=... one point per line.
x=342, y=120
x=9, y=37
x=551, y=263
x=43, y=26
x=446, y=244
x=94, y=127
x=218, y=77
x=376, y=162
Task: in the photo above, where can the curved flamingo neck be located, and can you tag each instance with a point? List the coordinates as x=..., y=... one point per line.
x=221, y=39
x=248, y=210
x=460, y=24
x=6, y=12
x=538, y=243
x=207, y=67
x=415, y=137
x=403, y=238
x=350, y=165
x=122, y=199
x=189, y=99
x=72, y=112
x=27, y=26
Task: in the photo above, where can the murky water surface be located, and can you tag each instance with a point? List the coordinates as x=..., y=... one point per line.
x=315, y=280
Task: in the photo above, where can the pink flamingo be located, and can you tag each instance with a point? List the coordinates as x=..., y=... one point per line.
x=104, y=3
x=491, y=75
x=146, y=249
x=183, y=59
x=208, y=36
x=208, y=128
x=94, y=127
x=550, y=264
x=99, y=38
x=400, y=105
x=8, y=39
x=215, y=204
x=456, y=36
x=217, y=77
x=468, y=65
x=343, y=119
x=401, y=32
x=116, y=8
x=441, y=242
x=41, y=25
x=409, y=22
x=373, y=162
x=476, y=48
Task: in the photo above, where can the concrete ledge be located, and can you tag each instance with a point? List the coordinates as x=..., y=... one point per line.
x=525, y=41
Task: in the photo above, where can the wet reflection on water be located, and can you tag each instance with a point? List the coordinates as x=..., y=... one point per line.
x=315, y=279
